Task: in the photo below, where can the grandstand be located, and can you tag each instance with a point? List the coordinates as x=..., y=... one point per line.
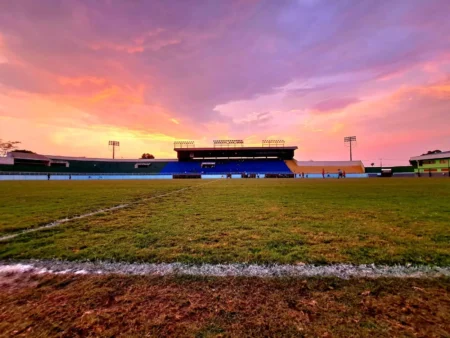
x=272, y=159
x=226, y=167
x=25, y=162
x=316, y=167
x=228, y=157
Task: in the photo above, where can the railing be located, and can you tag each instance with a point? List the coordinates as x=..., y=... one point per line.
x=142, y=174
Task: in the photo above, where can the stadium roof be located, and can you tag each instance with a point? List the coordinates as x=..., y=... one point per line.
x=238, y=148
x=187, y=154
x=28, y=156
x=82, y=158
x=444, y=154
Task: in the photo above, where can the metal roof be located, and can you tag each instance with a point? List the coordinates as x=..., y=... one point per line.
x=444, y=154
x=28, y=156
x=237, y=148
x=138, y=160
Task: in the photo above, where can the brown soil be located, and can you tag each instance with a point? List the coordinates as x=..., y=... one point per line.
x=75, y=306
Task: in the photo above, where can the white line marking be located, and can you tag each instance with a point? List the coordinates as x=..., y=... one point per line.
x=120, y=206
x=343, y=271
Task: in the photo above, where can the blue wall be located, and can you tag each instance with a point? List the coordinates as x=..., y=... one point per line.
x=222, y=167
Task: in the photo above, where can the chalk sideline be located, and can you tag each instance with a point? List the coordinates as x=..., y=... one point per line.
x=344, y=271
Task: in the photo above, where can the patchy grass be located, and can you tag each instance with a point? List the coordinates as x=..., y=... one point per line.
x=26, y=205
x=79, y=306
x=383, y=221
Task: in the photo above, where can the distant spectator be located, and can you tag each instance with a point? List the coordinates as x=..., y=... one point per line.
x=48, y=177
x=323, y=173
x=429, y=173
x=339, y=173
x=344, y=174
x=70, y=177
x=303, y=175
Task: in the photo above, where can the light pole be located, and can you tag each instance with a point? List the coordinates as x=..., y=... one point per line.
x=114, y=144
x=350, y=139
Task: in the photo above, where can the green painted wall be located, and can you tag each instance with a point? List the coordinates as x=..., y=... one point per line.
x=91, y=167
x=440, y=165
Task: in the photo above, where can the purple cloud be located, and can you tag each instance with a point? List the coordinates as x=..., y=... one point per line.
x=335, y=103
x=192, y=56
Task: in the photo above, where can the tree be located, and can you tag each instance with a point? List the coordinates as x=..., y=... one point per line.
x=372, y=164
x=430, y=152
x=7, y=146
x=23, y=151
x=147, y=156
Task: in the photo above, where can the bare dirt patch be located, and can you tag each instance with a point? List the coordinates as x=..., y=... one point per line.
x=71, y=306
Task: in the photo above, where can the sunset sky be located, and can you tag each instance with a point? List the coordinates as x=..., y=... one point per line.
x=75, y=74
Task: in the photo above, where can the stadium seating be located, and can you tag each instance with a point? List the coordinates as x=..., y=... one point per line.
x=161, y=167
x=233, y=166
x=316, y=167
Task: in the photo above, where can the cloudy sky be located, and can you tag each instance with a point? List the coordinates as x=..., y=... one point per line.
x=75, y=74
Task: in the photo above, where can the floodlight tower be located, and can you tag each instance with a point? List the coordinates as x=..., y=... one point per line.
x=114, y=144
x=350, y=139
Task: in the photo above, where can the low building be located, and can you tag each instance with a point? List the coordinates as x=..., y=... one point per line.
x=27, y=162
x=435, y=163
x=25, y=158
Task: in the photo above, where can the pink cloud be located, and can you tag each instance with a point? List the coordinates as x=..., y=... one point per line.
x=139, y=67
x=334, y=104
x=78, y=81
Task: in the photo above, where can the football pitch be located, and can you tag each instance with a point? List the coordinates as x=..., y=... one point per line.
x=381, y=221
x=262, y=222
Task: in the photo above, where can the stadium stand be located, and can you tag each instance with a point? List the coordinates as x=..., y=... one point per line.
x=227, y=166
x=276, y=161
x=316, y=167
x=24, y=162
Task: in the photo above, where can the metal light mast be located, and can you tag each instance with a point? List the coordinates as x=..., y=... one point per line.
x=114, y=144
x=350, y=139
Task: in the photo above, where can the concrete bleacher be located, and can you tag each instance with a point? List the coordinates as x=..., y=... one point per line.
x=316, y=167
x=229, y=166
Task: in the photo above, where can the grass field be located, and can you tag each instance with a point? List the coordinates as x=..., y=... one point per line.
x=383, y=221
x=30, y=204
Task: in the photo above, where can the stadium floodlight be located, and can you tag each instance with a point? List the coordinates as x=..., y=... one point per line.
x=181, y=144
x=114, y=144
x=270, y=143
x=349, y=140
x=220, y=143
